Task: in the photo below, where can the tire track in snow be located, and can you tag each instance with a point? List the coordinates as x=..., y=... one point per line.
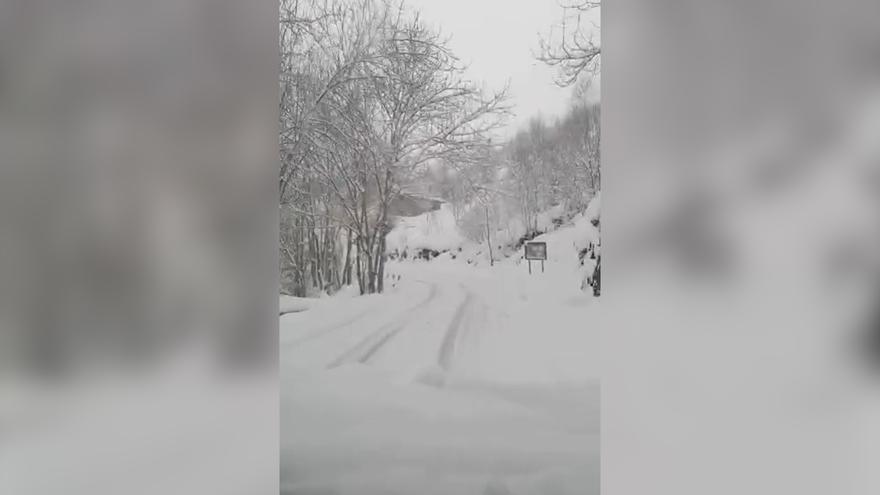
x=328, y=329
x=369, y=346
x=470, y=340
x=453, y=331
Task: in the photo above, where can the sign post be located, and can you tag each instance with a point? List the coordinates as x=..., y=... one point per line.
x=535, y=251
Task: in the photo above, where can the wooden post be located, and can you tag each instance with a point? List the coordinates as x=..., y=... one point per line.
x=530, y=267
x=542, y=266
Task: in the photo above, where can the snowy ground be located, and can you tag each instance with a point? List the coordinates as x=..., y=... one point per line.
x=458, y=380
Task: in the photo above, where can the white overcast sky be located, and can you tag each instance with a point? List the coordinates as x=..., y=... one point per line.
x=498, y=39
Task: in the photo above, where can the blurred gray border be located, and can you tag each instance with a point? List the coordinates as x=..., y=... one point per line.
x=741, y=143
x=138, y=204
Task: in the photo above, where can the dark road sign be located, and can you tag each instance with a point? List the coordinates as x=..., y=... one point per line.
x=536, y=250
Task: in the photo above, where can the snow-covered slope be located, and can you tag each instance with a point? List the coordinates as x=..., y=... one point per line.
x=433, y=230
x=437, y=231
x=563, y=242
x=594, y=209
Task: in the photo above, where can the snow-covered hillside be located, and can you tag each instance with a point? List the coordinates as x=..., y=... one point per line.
x=438, y=231
x=564, y=243
x=434, y=230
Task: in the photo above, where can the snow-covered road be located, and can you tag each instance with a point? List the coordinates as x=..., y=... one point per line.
x=457, y=380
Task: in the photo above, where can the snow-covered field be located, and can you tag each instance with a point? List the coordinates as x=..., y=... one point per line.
x=460, y=379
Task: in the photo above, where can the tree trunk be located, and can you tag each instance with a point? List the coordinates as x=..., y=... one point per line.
x=362, y=286
x=381, y=270
x=317, y=281
x=371, y=275
x=330, y=258
x=346, y=271
x=489, y=238
x=301, y=261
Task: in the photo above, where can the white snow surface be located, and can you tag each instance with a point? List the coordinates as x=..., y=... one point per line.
x=432, y=230
x=291, y=304
x=458, y=380
x=594, y=209
x=437, y=230
x=462, y=378
x=563, y=244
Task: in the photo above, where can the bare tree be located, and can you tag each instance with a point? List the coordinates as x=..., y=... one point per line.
x=369, y=96
x=570, y=46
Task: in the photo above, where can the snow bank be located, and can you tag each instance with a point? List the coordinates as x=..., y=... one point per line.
x=564, y=244
x=594, y=209
x=291, y=304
